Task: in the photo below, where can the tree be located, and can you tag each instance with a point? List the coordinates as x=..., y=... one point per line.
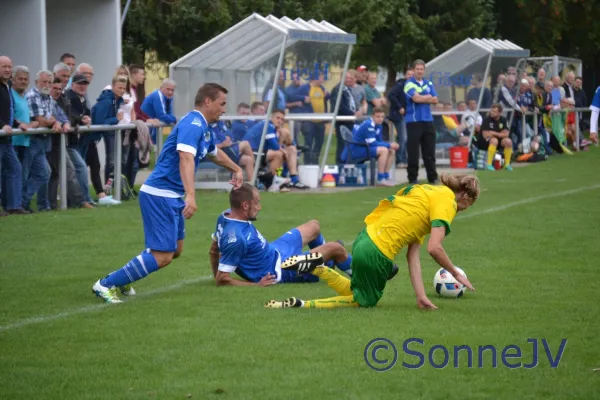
x=424, y=29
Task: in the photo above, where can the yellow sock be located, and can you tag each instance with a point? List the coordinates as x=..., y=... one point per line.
x=332, y=302
x=337, y=282
x=507, y=156
x=491, y=153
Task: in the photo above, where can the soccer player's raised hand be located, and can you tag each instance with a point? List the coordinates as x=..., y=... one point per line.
x=425, y=303
x=190, y=206
x=268, y=279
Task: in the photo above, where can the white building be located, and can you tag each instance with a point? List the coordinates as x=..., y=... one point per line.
x=35, y=33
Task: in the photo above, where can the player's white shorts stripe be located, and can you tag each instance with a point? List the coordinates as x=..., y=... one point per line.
x=186, y=148
x=160, y=192
x=278, y=267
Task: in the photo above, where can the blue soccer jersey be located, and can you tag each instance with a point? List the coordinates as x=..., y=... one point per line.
x=254, y=134
x=244, y=250
x=418, y=112
x=190, y=135
x=370, y=134
x=220, y=130
x=595, y=106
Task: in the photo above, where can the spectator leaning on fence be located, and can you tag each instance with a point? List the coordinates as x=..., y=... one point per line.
x=420, y=94
x=42, y=109
x=77, y=177
x=397, y=101
x=106, y=112
x=159, y=105
x=10, y=167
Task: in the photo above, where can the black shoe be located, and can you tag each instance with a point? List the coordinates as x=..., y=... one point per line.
x=19, y=211
x=304, y=263
x=395, y=270
x=292, y=302
x=299, y=185
x=4, y=214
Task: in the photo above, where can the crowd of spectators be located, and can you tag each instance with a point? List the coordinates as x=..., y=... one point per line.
x=57, y=100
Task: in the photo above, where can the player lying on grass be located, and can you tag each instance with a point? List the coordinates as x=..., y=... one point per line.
x=168, y=196
x=238, y=247
x=399, y=221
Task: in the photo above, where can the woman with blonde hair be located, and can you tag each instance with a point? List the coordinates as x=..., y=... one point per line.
x=401, y=220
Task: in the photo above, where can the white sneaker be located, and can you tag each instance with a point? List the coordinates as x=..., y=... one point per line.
x=386, y=182
x=278, y=181
x=108, y=201
x=109, y=295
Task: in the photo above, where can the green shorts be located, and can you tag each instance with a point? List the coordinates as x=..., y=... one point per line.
x=370, y=271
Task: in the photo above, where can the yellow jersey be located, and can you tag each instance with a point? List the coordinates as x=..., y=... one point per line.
x=408, y=216
x=317, y=99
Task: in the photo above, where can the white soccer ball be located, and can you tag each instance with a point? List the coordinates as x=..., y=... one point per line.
x=446, y=285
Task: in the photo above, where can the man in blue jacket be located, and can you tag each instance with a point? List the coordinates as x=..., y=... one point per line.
x=159, y=105
x=106, y=112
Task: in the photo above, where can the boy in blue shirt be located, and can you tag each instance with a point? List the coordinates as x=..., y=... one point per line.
x=168, y=196
x=238, y=247
x=369, y=132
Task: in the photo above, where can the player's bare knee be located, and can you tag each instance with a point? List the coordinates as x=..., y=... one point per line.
x=177, y=254
x=507, y=142
x=494, y=141
x=163, y=258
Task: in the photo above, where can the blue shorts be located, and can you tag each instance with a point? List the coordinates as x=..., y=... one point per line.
x=290, y=244
x=163, y=219
x=361, y=153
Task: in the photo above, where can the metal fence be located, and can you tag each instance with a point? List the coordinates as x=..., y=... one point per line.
x=291, y=118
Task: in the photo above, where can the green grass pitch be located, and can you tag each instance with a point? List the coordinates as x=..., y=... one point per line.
x=530, y=246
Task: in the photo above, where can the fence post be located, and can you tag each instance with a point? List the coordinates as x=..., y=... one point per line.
x=62, y=173
x=577, y=130
x=117, y=165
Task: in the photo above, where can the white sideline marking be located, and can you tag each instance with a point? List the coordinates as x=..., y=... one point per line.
x=528, y=201
x=46, y=318
x=64, y=314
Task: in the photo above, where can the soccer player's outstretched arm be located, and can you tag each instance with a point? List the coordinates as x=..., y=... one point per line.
x=233, y=250
x=414, y=267
x=437, y=252
x=187, y=167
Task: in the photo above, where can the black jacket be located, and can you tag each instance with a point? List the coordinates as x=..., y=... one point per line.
x=397, y=100
x=78, y=109
x=7, y=109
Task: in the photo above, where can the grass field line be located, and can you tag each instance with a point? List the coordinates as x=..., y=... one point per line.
x=95, y=307
x=99, y=306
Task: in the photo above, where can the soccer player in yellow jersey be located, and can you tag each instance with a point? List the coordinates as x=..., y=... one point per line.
x=401, y=220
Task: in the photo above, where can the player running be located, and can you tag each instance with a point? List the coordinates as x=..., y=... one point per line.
x=169, y=195
x=399, y=221
x=238, y=247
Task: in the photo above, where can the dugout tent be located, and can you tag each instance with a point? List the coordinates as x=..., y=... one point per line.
x=455, y=72
x=251, y=57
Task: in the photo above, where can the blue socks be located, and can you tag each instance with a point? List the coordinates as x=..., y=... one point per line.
x=380, y=176
x=139, y=267
x=387, y=176
x=345, y=266
x=319, y=241
x=294, y=179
